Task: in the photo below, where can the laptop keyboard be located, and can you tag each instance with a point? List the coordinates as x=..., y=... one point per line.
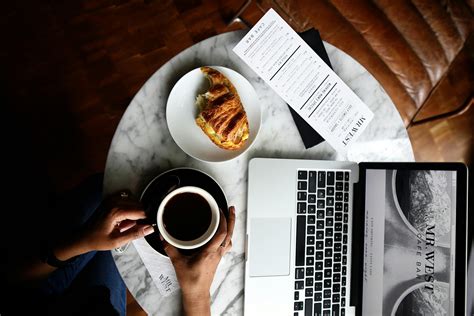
x=321, y=242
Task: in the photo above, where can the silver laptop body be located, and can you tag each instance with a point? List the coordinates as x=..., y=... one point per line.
x=270, y=268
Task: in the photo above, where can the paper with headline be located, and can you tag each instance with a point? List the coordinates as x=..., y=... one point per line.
x=301, y=78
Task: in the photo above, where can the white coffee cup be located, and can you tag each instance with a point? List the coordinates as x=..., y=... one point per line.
x=203, y=239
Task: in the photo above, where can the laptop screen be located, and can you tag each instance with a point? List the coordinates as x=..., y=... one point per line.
x=409, y=242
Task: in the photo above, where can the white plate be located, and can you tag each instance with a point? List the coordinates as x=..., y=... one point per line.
x=181, y=112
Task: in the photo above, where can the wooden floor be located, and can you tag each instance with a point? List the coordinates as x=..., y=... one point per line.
x=70, y=68
x=450, y=139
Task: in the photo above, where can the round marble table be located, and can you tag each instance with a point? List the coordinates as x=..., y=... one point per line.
x=142, y=147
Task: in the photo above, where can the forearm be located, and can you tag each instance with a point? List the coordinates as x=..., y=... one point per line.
x=197, y=304
x=71, y=247
x=30, y=269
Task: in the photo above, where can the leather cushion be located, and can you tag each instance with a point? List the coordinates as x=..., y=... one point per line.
x=408, y=46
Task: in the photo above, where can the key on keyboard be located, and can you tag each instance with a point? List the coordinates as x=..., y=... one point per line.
x=321, y=242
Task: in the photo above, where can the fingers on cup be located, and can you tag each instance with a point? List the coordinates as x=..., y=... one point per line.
x=230, y=226
x=170, y=250
x=220, y=234
x=126, y=225
x=132, y=214
x=136, y=232
x=223, y=249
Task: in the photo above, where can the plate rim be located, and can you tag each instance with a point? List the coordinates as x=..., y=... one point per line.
x=260, y=119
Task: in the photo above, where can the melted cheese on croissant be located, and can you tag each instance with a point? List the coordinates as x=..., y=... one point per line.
x=222, y=116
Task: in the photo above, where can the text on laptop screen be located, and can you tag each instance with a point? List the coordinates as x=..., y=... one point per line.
x=409, y=242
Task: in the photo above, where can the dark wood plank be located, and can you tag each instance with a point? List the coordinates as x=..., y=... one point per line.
x=73, y=67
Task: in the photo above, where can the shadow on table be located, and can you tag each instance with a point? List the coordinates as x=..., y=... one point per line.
x=288, y=154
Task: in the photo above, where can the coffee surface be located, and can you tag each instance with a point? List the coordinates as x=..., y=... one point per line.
x=187, y=216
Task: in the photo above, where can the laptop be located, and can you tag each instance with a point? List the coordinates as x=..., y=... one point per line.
x=341, y=238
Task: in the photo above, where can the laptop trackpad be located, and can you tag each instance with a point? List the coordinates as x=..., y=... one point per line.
x=269, y=246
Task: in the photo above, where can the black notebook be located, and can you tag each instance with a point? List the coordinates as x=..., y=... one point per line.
x=309, y=136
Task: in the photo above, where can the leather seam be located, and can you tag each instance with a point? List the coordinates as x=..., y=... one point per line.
x=437, y=39
x=407, y=43
x=412, y=120
x=434, y=32
x=449, y=10
x=378, y=56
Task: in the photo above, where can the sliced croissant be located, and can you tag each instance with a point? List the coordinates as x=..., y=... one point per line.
x=222, y=116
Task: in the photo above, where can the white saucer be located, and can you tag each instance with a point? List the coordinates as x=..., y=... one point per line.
x=181, y=112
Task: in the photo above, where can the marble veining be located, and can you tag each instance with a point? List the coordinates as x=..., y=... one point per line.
x=142, y=148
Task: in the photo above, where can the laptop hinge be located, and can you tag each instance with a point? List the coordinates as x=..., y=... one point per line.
x=357, y=259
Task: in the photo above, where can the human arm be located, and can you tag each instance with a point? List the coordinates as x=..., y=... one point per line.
x=113, y=224
x=195, y=273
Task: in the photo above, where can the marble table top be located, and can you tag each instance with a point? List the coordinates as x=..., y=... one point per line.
x=142, y=148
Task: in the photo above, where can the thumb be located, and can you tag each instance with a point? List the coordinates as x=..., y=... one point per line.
x=170, y=250
x=136, y=232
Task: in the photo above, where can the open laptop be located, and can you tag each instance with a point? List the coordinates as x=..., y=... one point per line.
x=341, y=238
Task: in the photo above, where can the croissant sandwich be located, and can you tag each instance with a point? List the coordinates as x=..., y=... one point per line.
x=222, y=116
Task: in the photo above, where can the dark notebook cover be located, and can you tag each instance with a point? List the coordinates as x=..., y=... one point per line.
x=309, y=136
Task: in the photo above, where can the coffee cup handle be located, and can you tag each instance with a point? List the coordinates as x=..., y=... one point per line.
x=124, y=248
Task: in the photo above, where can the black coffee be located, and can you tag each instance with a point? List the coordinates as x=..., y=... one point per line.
x=187, y=216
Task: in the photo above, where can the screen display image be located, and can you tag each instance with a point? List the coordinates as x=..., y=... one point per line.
x=409, y=241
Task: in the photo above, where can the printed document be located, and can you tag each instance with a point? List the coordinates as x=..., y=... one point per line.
x=302, y=79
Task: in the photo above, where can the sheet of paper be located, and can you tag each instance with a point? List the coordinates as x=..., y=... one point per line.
x=301, y=78
x=159, y=267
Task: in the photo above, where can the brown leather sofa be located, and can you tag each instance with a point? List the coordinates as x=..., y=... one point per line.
x=421, y=51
